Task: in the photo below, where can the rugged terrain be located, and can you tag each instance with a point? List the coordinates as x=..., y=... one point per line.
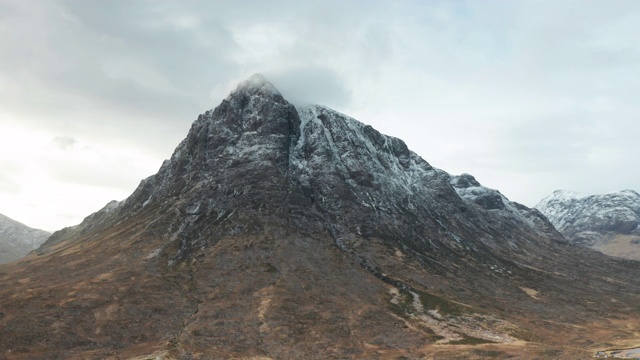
x=287, y=232
x=607, y=223
x=17, y=240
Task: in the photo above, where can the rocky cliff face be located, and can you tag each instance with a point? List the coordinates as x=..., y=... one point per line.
x=17, y=240
x=257, y=158
x=607, y=223
x=278, y=231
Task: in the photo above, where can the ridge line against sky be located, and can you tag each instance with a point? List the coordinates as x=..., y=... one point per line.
x=527, y=96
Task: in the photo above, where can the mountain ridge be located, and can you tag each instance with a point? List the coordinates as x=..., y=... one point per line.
x=312, y=138
x=278, y=231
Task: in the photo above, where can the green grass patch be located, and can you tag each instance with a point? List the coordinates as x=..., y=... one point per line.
x=404, y=306
x=443, y=306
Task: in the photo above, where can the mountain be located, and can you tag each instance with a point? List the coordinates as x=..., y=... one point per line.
x=17, y=240
x=277, y=231
x=607, y=223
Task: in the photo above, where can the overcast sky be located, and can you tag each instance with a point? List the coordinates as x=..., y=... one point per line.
x=527, y=96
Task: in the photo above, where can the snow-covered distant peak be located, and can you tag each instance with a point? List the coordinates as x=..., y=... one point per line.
x=17, y=239
x=565, y=195
x=572, y=213
x=630, y=192
x=560, y=202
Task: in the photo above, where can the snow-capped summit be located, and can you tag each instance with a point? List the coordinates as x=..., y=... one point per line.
x=607, y=222
x=256, y=84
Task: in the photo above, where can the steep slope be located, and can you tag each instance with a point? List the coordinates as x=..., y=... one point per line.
x=607, y=223
x=17, y=240
x=277, y=231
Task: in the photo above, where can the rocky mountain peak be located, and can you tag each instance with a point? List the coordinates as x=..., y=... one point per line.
x=607, y=222
x=278, y=231
x=257, y=84
x=630, y=192
x=464, y=181
x=572, y=212
x=251, y=130
x=256, y=158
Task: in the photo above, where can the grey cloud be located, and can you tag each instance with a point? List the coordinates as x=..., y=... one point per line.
x=103, y=63
x=106, y=172
x=315, y=85
x=132, y=57
x=101, y=52
x=552, y=142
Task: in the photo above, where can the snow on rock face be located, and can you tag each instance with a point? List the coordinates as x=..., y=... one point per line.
x=17, y=240
x=574, y=214
x=257, y=84
x=468, y=188
x=335, y=149
x=493, y=201
x=256, y=159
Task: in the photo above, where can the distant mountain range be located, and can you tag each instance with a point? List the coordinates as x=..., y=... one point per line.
x=277, y=231
x=17, y=240
x=607, y=223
